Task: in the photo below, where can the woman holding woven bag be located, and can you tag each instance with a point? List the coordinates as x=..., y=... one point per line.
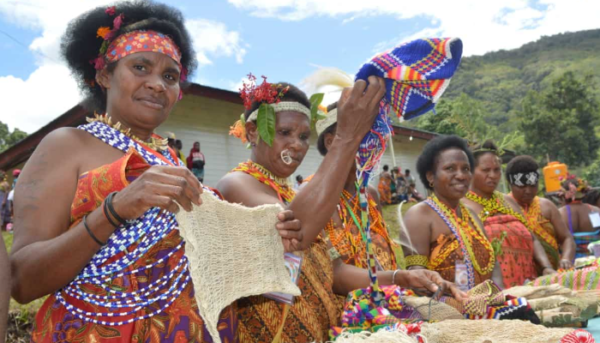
x=264, y=180
x=95, y=228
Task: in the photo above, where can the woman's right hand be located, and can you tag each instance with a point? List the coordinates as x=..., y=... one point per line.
x=358, y=109
x=166, y=187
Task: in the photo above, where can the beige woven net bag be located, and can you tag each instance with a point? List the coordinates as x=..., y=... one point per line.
x=234, y=252
x=490, y=331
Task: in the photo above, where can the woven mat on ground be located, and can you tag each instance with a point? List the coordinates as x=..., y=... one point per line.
x=234, y=252
x=536, y=292
x=490, y=331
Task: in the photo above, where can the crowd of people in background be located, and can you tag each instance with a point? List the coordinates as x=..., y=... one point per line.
x=195, y=160
x=395, y=187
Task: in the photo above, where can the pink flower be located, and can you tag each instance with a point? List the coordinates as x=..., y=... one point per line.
x=110, y=11
x=98, y=62
x=117, y=22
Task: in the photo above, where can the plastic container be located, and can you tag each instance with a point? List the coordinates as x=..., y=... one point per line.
x=552, y=174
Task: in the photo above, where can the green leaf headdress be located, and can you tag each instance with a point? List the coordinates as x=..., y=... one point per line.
x=269, y=96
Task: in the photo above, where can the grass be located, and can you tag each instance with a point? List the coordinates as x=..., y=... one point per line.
x=390, y=215
x=20, y=317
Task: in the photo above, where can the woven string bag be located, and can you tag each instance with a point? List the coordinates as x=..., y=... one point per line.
x=234, y=252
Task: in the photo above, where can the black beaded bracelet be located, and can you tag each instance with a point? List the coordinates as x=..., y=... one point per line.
x=111, y=209
x=91, y=233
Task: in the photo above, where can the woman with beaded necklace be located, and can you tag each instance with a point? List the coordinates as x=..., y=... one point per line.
x=264, y=180
x=95, y=228
x=444, y=235
x=344, y=229
x=503, y=221
x=542, y=215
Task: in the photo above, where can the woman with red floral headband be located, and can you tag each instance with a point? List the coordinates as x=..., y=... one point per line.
x=96, y=229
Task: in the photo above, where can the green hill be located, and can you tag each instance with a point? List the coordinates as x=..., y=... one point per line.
x=501, y=79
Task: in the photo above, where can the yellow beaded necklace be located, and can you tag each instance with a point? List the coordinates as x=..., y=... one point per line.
x=468, y=231
x=495, y=204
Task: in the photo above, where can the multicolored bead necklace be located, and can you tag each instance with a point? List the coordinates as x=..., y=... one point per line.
x=465, y=234
x=349, y=212
x=282, y=186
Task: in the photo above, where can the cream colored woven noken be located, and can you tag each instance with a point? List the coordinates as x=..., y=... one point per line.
x=492, y=331
x=234, y=252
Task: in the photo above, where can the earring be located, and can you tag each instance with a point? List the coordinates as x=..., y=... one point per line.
x=430, y=184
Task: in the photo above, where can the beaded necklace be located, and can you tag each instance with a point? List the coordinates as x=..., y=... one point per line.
x=465, y=235
x=533, y=212
x=495, y=204
x=146, y=231
x=280, y=185
x=154, y=142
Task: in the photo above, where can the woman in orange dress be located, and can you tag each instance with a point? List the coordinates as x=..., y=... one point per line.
x=95, y=229
x=445, y=235
x=542, y=215
x=385, y=186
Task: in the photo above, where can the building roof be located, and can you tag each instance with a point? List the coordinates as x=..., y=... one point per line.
x=75, y=116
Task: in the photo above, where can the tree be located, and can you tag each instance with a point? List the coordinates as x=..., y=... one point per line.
x=8, y=138
x=440, y=120
x=560, y=121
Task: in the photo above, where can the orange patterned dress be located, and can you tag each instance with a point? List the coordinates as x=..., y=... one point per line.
x=313, y=313
x=385, y=190
x=446, y=251
x=180, y=322
x=348, y=240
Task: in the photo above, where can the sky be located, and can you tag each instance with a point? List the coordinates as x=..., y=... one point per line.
x=285, y=40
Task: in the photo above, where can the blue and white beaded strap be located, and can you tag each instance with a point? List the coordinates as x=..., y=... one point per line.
x=149, y=297
x=87, y=318
x=119, y=140
x=467, y=257
x=105, y=279
x=163, y=228
x=149, y=229
x=115, y=294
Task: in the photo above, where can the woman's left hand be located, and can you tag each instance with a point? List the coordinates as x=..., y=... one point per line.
x=430, y=280
x=289, y=230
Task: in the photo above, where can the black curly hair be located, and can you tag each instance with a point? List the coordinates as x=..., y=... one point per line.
x=427, y=161
x=591, y=197
x=521, y=164
x=80, y=44
x=321, y=140
x=293, y=94
x=487, y=147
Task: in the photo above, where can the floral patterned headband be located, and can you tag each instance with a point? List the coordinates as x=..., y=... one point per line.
x=115, y=48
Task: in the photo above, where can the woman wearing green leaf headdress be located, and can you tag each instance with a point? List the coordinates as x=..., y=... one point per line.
x=277, y=123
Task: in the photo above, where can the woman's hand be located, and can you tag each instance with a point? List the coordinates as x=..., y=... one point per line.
x=289, y=230
x=166, y=187
x=565, y=264
x=357, y=108
x=548, y=271
x=430, y=280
